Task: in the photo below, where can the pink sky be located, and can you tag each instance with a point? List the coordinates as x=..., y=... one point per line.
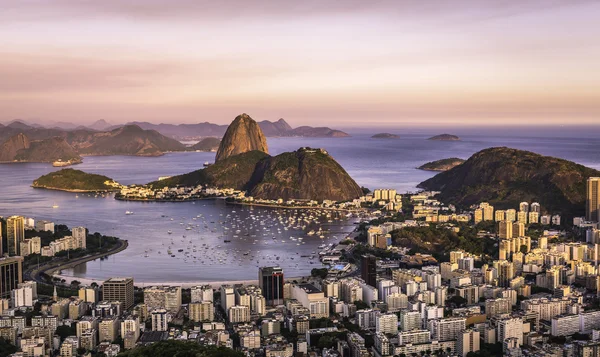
x=336, y=63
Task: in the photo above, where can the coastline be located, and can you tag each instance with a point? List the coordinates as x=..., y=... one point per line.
x=73, y=190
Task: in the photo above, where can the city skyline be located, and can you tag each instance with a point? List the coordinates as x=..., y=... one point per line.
x=335, y=64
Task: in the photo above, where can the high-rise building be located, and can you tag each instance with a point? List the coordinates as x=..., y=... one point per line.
x=15, y=234
x=160, y=320
x=202, y=311
x=468, y=341
x=524, y=206
x=387, y=323
x=80, y=236
x=119, y=289
x=592, y=209
x=518, y=229
x=11, y=275
x=535, y=207
x=511, y=215
x=270, y=280
x=202, y=293
x=369, y=269
x=505, y=229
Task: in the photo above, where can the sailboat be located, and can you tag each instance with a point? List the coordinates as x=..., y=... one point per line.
x=54, y=205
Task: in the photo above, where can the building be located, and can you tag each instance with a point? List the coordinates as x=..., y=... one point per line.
x=227, y=297
x=201, y=311
x=447, y=329
x=15, y=234
x=505, y=229
x=108, y=329
x=130, y=325
x=80, y=236
x=202, y=293
x=163, y=297
x=387, y=324
x=270, y=280
x=239, y=314
x=592, y=203
x=510, y=327
x=564, y=325
x=468, y=341
x=11, y=275
x=368, y=269
x=312, y=299
x=44, y=226
x=160, y=320
x=119, y=289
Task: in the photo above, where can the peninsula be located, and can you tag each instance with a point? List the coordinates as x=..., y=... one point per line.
x=72, y=180
x=441, y=165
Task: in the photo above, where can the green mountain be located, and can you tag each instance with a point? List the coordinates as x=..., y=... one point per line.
x=441, y=165
x=505, y=177
x=232, y=172
x=75, y=180
x=303, y=174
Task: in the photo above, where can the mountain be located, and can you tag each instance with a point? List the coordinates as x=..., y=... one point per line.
x=184, y=130
x=75, y=181
x=231, y=172
x=66, y=125
x=242, y=135
x=278, y=128
x=309, y=174
x=100, y=125
x=385, y=136
x=126, y=140
x=445, y=137
x=206, y=144
x=19, y=125
x=20, y=148
x=441, y=165
x=505, y=177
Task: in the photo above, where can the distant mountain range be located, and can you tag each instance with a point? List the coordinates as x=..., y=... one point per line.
x=23, y=143
x=190, y=131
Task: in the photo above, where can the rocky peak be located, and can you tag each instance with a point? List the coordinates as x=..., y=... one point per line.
x=9, y=149
x=242, y=135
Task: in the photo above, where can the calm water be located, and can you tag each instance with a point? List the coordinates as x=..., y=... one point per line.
x=371, y=162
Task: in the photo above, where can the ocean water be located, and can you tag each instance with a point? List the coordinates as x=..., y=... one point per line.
x=373, y=163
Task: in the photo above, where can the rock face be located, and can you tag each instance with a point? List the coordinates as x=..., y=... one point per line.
x=385, y=136
x=20, y=149
x=206, y=144
x=242, y=135
x=445, y=137
x=441, y=165
x=309, y=174
x=505, y=177
x=10, y=148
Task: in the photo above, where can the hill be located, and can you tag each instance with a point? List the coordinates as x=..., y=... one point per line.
x=232, y=172
x=441, y=165
x=318, y=132
x=385, y=136
x=19, y=148
x=278, y=128
x=309, y=174
x=445, y=137
x=505, y=177
x=242, y=135
x=75, y=181
x=206, y=144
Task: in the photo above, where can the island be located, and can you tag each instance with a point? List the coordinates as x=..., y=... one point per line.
x=72, y=180
x=209, y=144
x=441, y=165
x=385, y=136
x=445, y=137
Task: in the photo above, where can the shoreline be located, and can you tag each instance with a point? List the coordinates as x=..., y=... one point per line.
x=73, y=190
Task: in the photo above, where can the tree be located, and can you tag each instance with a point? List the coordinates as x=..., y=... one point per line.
x=64, y=331
x=7, y=348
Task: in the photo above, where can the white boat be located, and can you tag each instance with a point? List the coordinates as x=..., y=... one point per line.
x=129, y=213
x=54, y=205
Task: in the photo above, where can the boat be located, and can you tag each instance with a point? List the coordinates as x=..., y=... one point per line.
x=129, y=213
x=206, y=164
x=54, y=205
x=170, y=232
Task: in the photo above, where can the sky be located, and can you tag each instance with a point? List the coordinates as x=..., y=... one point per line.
x=388, y=63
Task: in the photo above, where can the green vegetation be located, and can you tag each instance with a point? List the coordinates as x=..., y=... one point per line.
x=7, y=348
x=505, y=177
x=232, y=172
x=319, y=272
x=441, y=165
x=172, y=348
x=438, y=240
x=74, y=180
